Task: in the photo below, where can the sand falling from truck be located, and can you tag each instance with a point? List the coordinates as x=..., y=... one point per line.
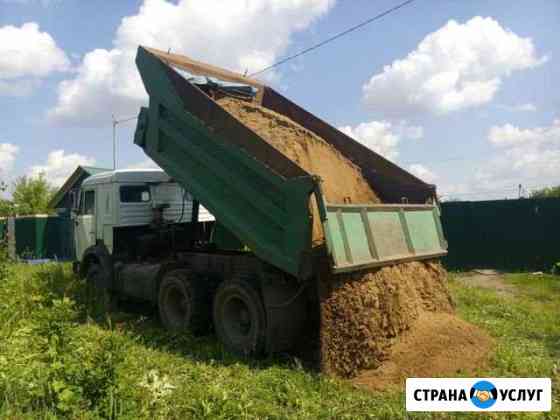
x=364, y=315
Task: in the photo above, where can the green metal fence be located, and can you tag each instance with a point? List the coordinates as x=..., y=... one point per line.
x=510, y=234
x=59, y=238
x=38, y=237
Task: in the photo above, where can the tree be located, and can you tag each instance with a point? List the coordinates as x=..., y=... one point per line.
x=547, y=192
x=32, y=195
x=6, y=206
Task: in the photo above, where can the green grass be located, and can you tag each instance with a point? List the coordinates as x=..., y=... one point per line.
x=60, y=358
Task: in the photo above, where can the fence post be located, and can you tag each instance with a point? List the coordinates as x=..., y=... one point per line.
x=12, y=237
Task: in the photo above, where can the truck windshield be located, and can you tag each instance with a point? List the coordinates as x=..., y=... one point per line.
x=135, y=194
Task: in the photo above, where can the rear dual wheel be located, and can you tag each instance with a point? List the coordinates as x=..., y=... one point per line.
x=184, y=302
x=239, y=318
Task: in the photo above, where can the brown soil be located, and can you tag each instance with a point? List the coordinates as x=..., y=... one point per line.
x=342, y=180
x=486, y=279
x=363, y=313
x=437, y=345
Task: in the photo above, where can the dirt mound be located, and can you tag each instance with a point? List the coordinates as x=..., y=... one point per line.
x=438, y=344
x=343, y=181
x=363, y=313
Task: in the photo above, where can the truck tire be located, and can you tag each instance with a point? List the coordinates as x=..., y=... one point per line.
x=239, y=318
x=184, y=302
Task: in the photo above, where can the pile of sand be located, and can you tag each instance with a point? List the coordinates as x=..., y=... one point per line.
x=343, y=180
x=366, y=316
x=437, y=345
x=363, y=313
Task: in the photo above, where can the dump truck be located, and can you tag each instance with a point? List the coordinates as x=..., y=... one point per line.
x=249, y=269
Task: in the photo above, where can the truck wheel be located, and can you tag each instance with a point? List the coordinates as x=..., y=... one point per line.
x=239, y=318
x=184, y=302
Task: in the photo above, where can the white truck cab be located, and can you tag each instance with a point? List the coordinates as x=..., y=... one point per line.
x=126, y=198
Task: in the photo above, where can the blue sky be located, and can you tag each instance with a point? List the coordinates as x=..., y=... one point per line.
x=472, y=106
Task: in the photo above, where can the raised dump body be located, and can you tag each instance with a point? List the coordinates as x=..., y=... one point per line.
x=263, y=197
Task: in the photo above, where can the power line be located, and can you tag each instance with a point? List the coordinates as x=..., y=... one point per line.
x=339, y=35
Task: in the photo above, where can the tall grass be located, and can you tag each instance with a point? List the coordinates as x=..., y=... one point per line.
x=63, y=357
x=60, y=357
x=52, y=359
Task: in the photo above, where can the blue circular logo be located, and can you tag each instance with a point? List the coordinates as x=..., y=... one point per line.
x=483, y=394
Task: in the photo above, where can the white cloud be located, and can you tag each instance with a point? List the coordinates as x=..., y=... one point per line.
x=8, y=154
x=456, y=67
x=422, y=172
x=383, y=137
x=528, y=107
x=26, y=56
x=510, y=135
x=44, y=3
x=23, y=87
x=413, y=132
x=237, y=34
x=59, y=166
x=529, y=156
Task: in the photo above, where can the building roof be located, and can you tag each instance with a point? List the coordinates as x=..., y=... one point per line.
x=80, y=173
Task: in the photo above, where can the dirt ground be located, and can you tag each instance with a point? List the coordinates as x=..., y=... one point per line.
x=444, y=345
x=487, y=279
x=437, y=345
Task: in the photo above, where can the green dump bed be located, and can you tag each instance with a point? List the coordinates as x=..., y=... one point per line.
x=263, y=197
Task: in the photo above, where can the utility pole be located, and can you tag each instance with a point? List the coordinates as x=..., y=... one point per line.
x=114, y=141
x=116, y=122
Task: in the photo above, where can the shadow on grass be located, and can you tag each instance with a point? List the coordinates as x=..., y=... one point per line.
x=142, y=323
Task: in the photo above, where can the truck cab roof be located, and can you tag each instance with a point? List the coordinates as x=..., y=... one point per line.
x=128, y=175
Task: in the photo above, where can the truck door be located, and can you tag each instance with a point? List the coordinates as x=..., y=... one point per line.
x=104, y=214
x=85, y=233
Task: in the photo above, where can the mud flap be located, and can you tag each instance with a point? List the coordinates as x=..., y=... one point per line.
x=284, y=302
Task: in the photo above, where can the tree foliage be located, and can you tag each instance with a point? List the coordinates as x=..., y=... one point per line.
x=547, y=192
x=6, y=206
x=32, y=195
